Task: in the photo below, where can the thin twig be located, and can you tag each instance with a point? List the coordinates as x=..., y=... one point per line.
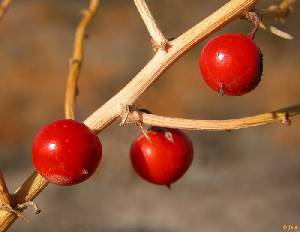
x=36, y=183
x=277, y=12
x=4, y=194
x=112, y=109
x=281, y=115
x=159, y=41
x=4, y=7
x=76, y=60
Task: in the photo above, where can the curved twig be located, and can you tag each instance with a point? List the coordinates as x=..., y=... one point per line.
x=76, y=60
x=36, y=183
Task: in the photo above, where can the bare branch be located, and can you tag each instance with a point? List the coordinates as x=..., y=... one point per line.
x=4, y=194
x=27, y=192
x=162, y=61
x=281, y=115
x=158, y=39
x=76, y=60
x=36, y=183
x=4, y=7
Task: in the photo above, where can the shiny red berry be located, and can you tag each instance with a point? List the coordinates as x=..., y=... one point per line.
x=66, y=152
x=231, y=64
x=163, y=157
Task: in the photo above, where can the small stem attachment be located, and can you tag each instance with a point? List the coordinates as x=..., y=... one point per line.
x=282, y=115
x=159, y=41
x=4, y=7
x=253, y=18
x=76, y=60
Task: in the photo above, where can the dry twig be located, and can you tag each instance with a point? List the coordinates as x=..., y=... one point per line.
x=159, y=41
x=277, y=12
x=162, y=60
x=76, y=60
x=4, y=7
x=36, y=183
x=281, y=115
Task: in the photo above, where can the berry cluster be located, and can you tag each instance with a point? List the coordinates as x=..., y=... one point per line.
x=67, y=152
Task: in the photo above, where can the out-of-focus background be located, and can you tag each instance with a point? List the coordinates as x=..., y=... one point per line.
x=246, y=180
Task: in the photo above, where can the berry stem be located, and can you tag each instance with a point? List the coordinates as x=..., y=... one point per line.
x=281, y=115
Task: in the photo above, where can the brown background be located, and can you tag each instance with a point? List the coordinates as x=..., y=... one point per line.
x=245, y=180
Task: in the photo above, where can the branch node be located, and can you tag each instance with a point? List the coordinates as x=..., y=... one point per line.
x=161, y=45
x=24, y=205
x=286, y=120
x=17, y=212
x=73, y=61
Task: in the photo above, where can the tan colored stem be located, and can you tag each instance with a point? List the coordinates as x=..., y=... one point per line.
x=36, y=183
x=158, y=39
x=4, y=7
x=281, y=115
x=278, y=11
x=76, y=60
x=4, y=194
x=27, y=192
x=163, y=60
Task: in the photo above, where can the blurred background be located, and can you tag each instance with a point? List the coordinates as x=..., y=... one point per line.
x=246, y=180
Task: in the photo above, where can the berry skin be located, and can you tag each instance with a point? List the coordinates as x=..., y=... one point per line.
x=66, y=152
x=163, y=157
x=231, y=64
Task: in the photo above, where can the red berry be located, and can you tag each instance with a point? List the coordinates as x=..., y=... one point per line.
x=66, y=152
x=231, y=64
x=163, y=157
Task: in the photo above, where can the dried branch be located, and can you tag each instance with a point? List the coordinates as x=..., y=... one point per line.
x=4, y=194
x=36, y=183
x=277, y=12
x=4, y=7
x=162, y=61
x=5, y=199
x=76, y=60
x=281, y=115
x=158, y=39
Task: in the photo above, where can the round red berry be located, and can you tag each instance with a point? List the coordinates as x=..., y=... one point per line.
x=231, y=64
x=66, y=152
x=163, y=157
